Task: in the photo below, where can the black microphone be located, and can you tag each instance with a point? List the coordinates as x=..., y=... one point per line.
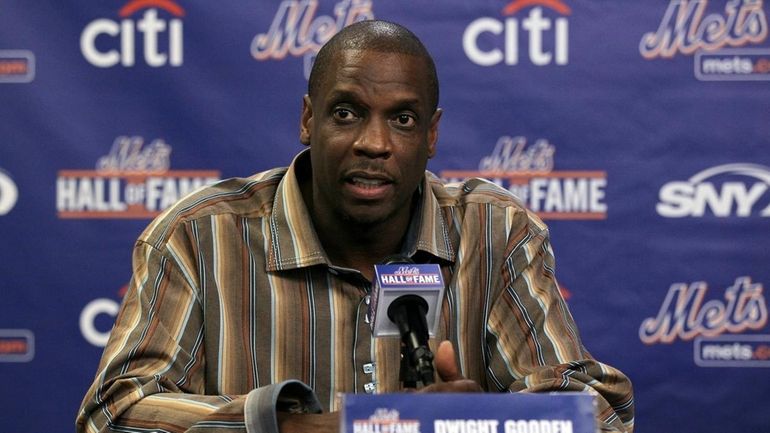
x=410, y=295
x=408, y=312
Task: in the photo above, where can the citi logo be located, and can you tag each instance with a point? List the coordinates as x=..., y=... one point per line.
x=489, y=41
x=97, y=317
x=106, y=43
x=726, y=190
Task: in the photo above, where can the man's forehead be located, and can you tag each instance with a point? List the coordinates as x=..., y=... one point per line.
x=374, y=66
x=386, y=83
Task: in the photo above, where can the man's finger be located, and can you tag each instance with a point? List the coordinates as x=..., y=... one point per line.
x=462, y=385
x=445, y=363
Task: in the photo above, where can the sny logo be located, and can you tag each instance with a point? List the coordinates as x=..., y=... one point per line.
x=157, y=33
x=539, y=29
x=736, y=196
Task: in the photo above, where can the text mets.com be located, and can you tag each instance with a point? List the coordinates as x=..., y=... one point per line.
x=734, y=352
x=736, y=64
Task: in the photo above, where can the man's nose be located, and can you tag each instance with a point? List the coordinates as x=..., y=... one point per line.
x=374, y=140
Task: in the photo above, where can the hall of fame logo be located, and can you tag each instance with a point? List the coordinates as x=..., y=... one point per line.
x=385, y=421
x=527, y=170
x=133, y=181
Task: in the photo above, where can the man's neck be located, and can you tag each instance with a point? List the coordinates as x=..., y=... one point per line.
x=360, y=249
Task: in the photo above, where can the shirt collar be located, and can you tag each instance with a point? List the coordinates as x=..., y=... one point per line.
x=293, y=242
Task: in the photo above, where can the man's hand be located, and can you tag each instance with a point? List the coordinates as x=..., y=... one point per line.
x=446, y=367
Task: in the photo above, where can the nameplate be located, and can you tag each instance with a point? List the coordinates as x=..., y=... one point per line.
x=469, y=413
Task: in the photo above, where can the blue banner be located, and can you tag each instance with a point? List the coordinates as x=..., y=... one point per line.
x=639, y=131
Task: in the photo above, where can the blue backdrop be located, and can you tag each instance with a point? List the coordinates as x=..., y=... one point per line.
x=638, y=130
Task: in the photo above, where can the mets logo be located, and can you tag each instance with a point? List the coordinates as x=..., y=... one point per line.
x=685, y=314
x=297, y=31
x=686, y=28
x=721, y=329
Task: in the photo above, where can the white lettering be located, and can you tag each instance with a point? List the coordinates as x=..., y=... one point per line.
x=727, y=352
x=465, y=426
x=736, y=65
x=535, y=25
x=89, y=194
x=596, y=195
x=567, y=195
x=8, y=193
x=88, y=317
x=470, y=38
x=538, y=426
x=682, y=199
x=162, y=192
x=150, y=26
x=88, y=43
x=675, y=199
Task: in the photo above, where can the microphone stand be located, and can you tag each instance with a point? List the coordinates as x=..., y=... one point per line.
x=408, y=312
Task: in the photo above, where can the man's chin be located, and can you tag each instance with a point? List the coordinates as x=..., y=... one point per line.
x=364, y=217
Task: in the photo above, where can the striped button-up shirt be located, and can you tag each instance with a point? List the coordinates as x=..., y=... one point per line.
x=232, y=293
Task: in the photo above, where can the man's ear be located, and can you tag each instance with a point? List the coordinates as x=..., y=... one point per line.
x=433, y=132
x=306, y=121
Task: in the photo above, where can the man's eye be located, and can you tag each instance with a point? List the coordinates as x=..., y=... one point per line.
x=405, y=120
x=343, y=114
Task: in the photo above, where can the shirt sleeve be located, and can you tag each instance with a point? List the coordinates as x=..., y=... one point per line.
x=535, y=345
x=152, y=373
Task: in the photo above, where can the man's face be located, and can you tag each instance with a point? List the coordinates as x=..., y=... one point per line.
x=371, y=131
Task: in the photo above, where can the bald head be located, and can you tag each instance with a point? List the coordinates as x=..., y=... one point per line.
x=381, y=36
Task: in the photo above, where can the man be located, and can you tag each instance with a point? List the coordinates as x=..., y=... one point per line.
x=247, y=305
